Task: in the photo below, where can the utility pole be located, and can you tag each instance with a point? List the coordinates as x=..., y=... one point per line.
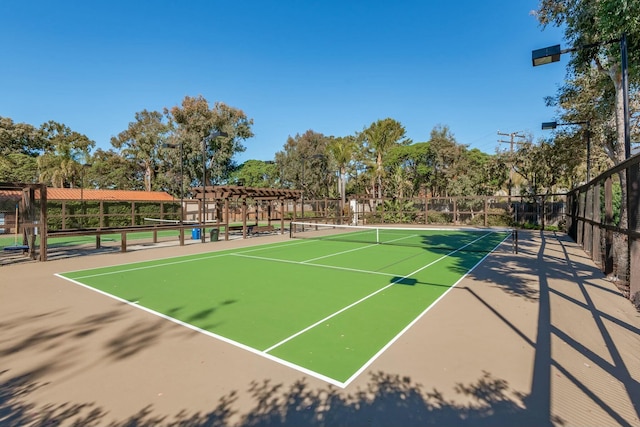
x=512, y=141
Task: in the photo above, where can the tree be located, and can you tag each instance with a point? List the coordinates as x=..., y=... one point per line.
x=590, y=26
x=140, y=145
x=20, y=145
x=304, y=163
x=255, y=173
x=445, y=152
x=65, y=152
x=193, y=122
x=112, y=171
x=416, y=162
x=342, y=150
x=379, y=138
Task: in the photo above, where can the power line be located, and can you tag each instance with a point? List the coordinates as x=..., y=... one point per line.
x=512, y=141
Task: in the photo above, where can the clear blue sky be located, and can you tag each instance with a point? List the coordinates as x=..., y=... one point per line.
x=332, y=66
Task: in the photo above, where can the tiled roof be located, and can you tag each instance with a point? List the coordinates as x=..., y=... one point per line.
x=91, y=194
x=10, y=194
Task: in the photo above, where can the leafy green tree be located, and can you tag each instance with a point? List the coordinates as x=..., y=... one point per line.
x=255, y=173
x=20, y=138
x=445, y=153
x=110, y=170
x=379, y=138
x=20, y=144
x=415, y=161
x=18, y=167
x=65, y=152
x=304, y=163
x=590, y=25
x=193, y=123
x=140, y=144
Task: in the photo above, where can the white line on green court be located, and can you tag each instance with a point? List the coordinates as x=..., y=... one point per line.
x=355, y=249
x=333, y=267
x=353, y=304
x=264, y=353
x=210, y=334
x=406, y=328
x=309, y=261
x=181, y=261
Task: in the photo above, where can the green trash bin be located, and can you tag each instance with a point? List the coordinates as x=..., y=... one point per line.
x=214, y=234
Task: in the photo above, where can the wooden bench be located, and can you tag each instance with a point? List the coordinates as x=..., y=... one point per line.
x=255, y=229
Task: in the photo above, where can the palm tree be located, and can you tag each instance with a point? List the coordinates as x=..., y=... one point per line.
x=380, y=137
x=342, y=149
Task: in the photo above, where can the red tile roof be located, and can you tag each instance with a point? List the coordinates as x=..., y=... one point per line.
x=10, y=194
x=91, y=194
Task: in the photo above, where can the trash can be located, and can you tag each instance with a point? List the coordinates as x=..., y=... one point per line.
x=214, y=234
x=195, y=234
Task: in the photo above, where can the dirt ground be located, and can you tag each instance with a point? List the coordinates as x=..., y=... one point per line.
x=537, y=338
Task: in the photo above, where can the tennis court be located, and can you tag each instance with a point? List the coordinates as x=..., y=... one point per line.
x=326, y=306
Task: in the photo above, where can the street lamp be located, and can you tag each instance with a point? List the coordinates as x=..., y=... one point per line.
x=551, y=54
x=553, y=125
x=214, y=134
x=179, y=145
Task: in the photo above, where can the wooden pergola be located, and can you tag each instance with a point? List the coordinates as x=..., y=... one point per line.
x=223, y=194
x=29, y=218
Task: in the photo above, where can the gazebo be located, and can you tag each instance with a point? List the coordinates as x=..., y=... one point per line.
x=223, y=194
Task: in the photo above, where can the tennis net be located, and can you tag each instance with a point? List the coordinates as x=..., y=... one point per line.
x=449, y=239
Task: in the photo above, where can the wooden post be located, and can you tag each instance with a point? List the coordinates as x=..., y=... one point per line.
x=226, y=218
x=486, y=211
x=455, y=211
x=244, y=218
x=43, y=222
x=101, y=214
x=63, y=213
x=282, y=216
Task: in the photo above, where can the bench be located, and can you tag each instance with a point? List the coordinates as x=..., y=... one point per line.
x=255, y=229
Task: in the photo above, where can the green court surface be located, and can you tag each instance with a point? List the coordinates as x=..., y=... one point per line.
x=325, y=307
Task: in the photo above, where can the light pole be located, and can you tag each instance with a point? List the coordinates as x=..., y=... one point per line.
x=179, y=145
x=553, y=125
x=212, y=135
x=551, y=54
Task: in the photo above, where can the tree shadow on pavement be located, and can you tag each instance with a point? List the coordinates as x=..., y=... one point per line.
x=387, y=400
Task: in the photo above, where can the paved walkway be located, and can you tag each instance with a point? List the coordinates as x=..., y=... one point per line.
x=537, y=338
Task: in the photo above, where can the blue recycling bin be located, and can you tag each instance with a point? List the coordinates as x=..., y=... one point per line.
x=195, y=234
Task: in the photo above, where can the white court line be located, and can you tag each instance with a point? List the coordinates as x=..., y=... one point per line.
x=319, y=322
x=333, y=267
x=210, y=334
x=357, y=249
x=406, y=328
x=264, y=353
x=182, y=261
